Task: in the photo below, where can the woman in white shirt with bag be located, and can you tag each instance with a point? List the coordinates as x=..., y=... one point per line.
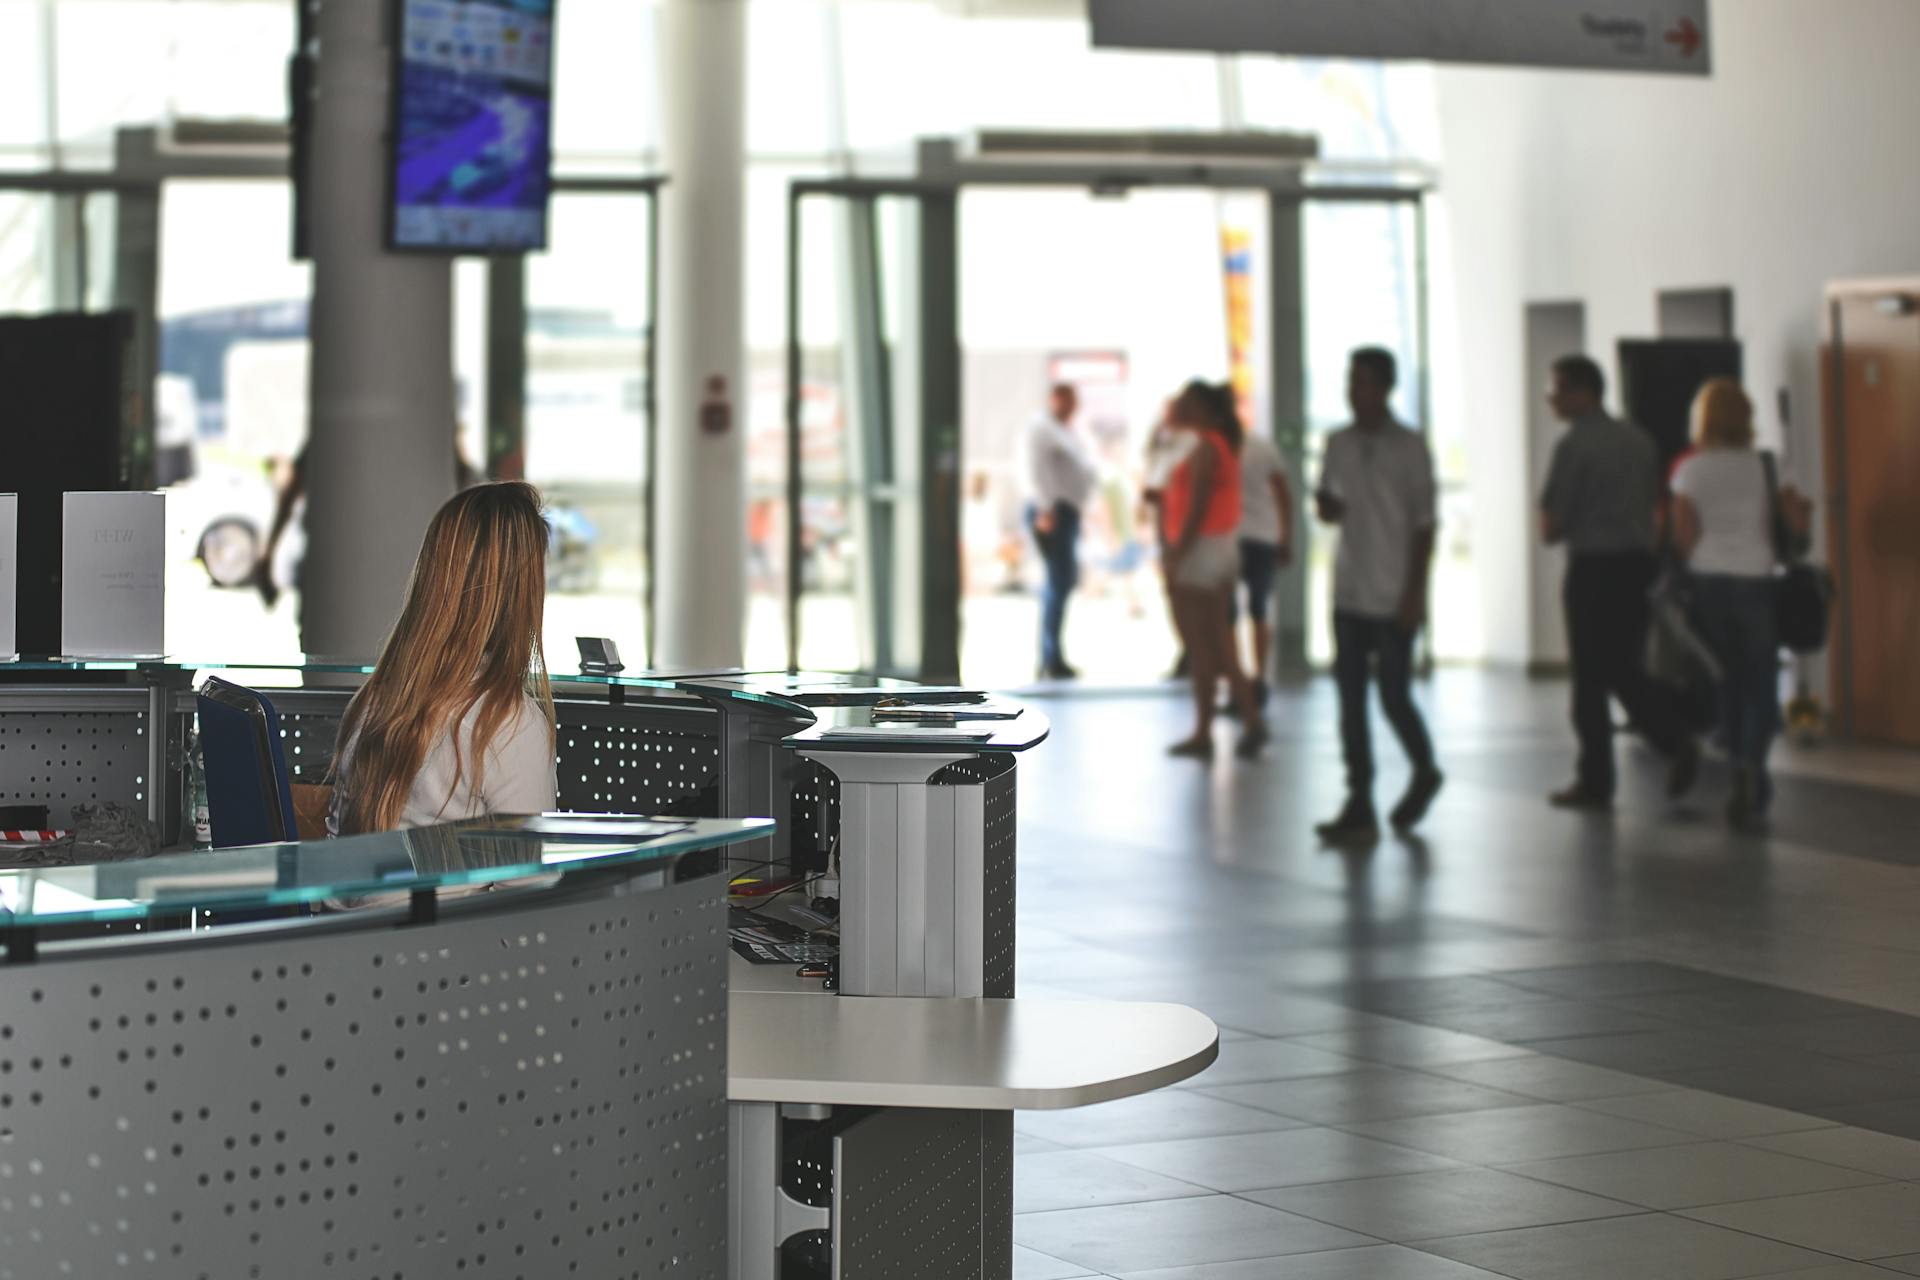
x=1727, y=509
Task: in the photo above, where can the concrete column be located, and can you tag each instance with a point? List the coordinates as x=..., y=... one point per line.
x=381, y=418
x=701, y=556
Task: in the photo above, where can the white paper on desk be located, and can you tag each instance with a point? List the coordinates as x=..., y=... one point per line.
x=113, y=575
x=904, y=733
x=9, y=573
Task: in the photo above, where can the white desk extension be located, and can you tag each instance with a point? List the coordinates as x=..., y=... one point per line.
x=977, y=1054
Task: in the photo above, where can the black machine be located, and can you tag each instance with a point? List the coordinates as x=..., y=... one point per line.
x=65, y=382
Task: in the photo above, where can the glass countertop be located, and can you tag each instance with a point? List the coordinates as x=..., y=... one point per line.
x=866, y=727
x=836, y=702
x=482, y=851
x=733, y=679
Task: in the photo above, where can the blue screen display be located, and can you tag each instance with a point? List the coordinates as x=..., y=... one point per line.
x=472, y=125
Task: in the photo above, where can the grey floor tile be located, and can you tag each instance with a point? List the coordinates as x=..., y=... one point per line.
x=1379, y=1262
x=1257, y=1161
x=1900, y=1117
x=1598, y=981
x=1652, y=1052
x=1076, y=1179
x=1877, y=1270
x=1859, y=1223
x=1160, y=1116
x=1559, y=1018
x=1408, y=997
x=1379, y=1093
x=1282, y=1014
x=1802, y=1081
x=1513, y=1134
x=1552, y=1079
x=1410, y=1045
x=1029, y=1264
x=1867, y=1034
x=1172, y=1233
x=1707, y=1114
x=1652, y=1245
x=1738, y=1005
x=1906, y=1264
x=1024, y=1144
x=1850, y=1148
x=1908, y=1062
x=1684, y=1177
x=1420, y=1206
x=1246, y=1060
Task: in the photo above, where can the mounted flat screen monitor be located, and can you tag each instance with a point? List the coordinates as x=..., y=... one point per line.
x=471, y=154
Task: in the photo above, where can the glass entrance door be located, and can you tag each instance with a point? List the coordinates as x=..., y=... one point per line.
x=870, y=506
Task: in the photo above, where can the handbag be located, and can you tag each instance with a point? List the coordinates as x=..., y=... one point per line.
x=1802, y=592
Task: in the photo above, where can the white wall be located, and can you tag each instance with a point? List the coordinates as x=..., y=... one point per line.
x=1793, y=165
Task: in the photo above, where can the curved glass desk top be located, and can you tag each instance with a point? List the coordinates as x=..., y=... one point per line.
x=272, y=875
x=737, y=681
x=826, y=703
x=857, y=728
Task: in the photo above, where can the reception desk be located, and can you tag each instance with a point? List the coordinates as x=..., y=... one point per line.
x=691, y=743
x=492, y=1049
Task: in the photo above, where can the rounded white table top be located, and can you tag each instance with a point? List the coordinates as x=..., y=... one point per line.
x=987, y=1055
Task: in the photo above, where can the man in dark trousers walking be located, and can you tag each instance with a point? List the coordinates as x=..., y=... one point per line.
x=1602, y=491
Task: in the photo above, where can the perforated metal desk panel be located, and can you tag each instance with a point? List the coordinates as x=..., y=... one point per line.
x=517, y=1083
x=642, y=742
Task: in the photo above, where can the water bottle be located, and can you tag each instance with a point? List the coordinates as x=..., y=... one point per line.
x=197, y=791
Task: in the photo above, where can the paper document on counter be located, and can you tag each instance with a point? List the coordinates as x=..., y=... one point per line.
x=948, y=712
x=904, y=733
x=113, y=575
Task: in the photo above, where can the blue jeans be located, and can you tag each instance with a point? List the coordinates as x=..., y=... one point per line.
x=1060, y=552
x=1735, y=617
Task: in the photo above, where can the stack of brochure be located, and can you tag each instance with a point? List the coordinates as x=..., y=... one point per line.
x=946, y=712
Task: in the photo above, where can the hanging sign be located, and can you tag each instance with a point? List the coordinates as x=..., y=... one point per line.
x=1669, y=36
x=113, y=575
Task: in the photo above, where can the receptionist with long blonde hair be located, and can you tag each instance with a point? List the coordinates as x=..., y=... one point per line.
x=457, y=718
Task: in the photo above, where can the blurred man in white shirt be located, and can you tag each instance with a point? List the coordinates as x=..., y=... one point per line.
x=1377, y=485
x=1059, y=472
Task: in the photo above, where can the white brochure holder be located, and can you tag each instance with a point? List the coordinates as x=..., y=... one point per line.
x=113, y=575
x=9, y=574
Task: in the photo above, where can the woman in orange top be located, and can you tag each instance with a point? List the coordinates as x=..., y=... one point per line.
x=1200, y=525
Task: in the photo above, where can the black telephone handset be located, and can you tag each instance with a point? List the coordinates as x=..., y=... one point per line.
x=599, y=655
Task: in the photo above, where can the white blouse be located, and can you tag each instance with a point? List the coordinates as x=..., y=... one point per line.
x=520, y=776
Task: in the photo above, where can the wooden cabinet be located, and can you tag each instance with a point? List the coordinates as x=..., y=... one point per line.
x=1871, y=389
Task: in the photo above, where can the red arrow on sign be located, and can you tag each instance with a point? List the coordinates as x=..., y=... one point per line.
x=1686, y=36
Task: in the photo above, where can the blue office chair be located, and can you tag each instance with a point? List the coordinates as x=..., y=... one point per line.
x=248, y=797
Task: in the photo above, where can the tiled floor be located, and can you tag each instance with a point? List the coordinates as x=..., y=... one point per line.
x=1522, y=1044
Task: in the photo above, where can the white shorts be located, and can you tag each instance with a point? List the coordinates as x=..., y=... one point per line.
x=1211, y=563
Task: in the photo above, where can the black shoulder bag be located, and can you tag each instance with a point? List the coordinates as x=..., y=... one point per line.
x=1802, y=592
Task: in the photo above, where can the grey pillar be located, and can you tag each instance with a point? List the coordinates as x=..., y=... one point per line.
x=1287, y=369
x=701, y=564
x=380, y=446
x=136, y=290
x=507, y=368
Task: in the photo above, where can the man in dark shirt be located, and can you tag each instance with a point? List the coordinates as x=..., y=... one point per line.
x=1602, y=491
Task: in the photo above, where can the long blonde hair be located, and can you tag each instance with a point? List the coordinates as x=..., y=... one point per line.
x=1722, y=416
x=469, y=636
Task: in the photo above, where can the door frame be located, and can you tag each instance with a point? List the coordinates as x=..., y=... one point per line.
x=943, y=174
x=146, y=159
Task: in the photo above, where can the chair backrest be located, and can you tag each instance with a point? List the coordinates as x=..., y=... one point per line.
x=248, y=800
